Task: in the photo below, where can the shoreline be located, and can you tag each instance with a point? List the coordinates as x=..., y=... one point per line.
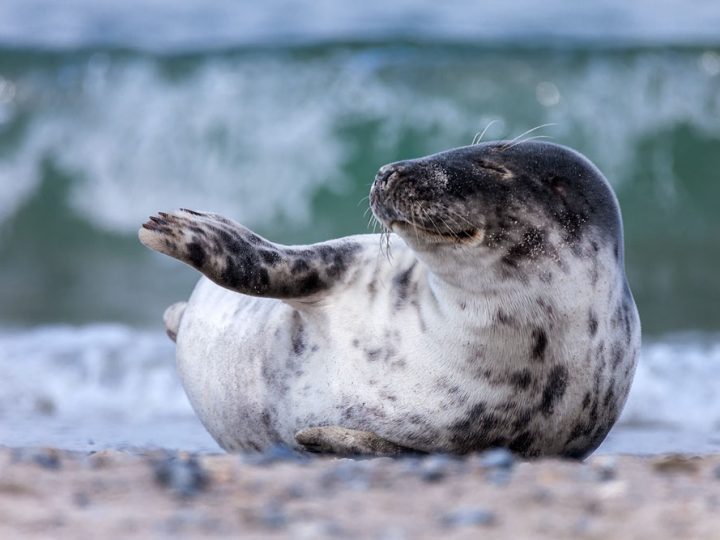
x=115, y=494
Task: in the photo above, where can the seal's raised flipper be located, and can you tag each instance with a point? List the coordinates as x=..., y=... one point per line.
x=238, y=259
x=172, y=317
x=346, y=442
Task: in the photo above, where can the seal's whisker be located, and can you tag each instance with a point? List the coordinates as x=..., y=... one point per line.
x=476, y=139
x=427, y=215
x=387, y=244
x=527, y=133
x=382, y=232
x=452, y=219
x=456, y=214
x=450, y=230
x=462, y=245
x=412, y=220
x=528, y=139
x=384, y=238
x=365, y=198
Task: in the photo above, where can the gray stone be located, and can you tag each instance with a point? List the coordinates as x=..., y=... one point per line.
x=469, y=517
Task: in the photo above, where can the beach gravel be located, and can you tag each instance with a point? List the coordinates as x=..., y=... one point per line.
x=114, y=494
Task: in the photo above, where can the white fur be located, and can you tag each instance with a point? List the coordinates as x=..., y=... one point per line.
x=228, y=343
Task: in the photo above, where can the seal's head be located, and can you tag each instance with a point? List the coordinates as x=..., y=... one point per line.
x=504, y=205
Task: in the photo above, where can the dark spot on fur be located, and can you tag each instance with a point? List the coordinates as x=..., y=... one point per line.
x=554, y=390
x=196, y=254
x=610, y=394
x=586, y=401
x=198, y=231
x=540, y=342
x=626, y=317
x=616, y=319
x=592, y=323
x=337, y=267
x=309, y=284
x=299, y=266
x=521, y=379
x=298, y=334
x=522, y=443
x=523, y=417
x=617, y=356
x=398, y=364
x=504, y=318
x=263, y=280
x=229, y=274
x=478, y=429
x=270, y=257
x=594, y=275
x=402, y=285
x=576, y=453
x=546, y=277
x=530, y=247
x=572, y=221
x=547, y=306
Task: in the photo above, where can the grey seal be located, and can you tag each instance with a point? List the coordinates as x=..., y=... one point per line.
x=501, y=316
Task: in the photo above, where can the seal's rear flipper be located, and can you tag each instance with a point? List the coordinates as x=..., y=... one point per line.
x=172, y=317
x=346, y=442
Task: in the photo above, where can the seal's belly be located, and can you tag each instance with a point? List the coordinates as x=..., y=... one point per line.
x=257, y=371
x=223, y=341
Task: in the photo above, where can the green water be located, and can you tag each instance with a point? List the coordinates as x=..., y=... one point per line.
x=287, y=140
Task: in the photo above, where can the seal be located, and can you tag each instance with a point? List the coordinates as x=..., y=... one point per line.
x=501, y=315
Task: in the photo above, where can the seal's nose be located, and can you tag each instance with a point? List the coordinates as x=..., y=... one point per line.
x=388, y=175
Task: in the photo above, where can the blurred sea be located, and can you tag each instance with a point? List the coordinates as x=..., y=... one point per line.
x=278, y=114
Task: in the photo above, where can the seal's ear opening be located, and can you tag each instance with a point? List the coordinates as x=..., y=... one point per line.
x=558, y=185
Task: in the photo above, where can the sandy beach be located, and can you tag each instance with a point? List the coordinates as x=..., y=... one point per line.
x=111, y=494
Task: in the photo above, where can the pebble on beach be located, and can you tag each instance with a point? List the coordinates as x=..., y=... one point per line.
x=184, y=476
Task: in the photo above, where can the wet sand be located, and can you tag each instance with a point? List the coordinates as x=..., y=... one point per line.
x=112, y=494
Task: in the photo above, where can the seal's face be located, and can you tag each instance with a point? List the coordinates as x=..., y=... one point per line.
x=495, y=198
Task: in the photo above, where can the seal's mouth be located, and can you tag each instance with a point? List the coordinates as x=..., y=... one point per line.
x=470, y=235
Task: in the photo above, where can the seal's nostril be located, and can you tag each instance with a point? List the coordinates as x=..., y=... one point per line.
x=387, y=175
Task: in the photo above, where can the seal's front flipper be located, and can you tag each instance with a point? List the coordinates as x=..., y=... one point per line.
x=238, y=259
x=346, y=442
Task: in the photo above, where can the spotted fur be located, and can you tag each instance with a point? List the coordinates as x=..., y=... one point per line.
x=502, y=316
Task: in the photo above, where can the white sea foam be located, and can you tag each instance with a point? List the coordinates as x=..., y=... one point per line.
x=112, y=383
x=676, y=385
x=255, y=137
x=91, y=371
